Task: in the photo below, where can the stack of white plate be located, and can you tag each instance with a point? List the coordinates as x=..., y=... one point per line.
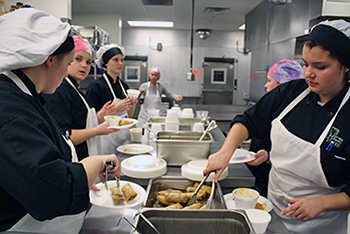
x=193, y=170
x=143, y=166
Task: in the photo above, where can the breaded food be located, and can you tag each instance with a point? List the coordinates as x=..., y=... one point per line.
x=117, y=195
x=129, y=192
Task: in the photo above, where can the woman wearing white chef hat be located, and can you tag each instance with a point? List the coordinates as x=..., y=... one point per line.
x=43, y=188
x=109, y=87
x=308, y=123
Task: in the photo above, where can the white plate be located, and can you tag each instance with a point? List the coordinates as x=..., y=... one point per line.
x=125, y=126
x=104, y=199
x=241, y=156
x=230, y=203
x=134, y=149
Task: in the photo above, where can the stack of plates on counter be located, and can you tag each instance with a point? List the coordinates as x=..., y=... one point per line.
x=193, y=170
x=143, y=167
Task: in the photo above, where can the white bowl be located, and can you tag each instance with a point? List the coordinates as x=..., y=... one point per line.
x=260, y=219
x=193, y=170
x=133, y=92
x=143, y=166
x=187, y=113
x=245, y=198
x=112, y=120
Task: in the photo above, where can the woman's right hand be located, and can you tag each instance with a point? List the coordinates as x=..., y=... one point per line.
x=114, y=172
x=217, y=161
x=103, y=129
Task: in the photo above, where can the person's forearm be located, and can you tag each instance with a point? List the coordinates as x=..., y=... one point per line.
x=92, y=166
x=78, y=136
x=131, y=111
x=234, y=139
x=338, y=201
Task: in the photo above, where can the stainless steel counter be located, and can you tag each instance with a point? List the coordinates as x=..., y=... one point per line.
x=104, y=220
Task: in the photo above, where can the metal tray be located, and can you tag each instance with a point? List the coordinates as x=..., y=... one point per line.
x=180, y=147
x=194, y=221
x=185, y=124
x=162, y=183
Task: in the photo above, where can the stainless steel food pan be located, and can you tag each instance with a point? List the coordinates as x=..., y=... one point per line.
x=179, y=183
x=185, y=124
x=194, y=221
x=180, y=147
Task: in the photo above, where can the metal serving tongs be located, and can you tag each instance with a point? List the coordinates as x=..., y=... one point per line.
x=211, y=197
x=194, y=196
x=108, y=166
x=211, y=126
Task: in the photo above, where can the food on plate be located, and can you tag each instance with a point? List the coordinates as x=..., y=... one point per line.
x=129, y=192
x=117, y=195
x=196, y=205
x=175, y=206
x=260, y=206
x=124, y=122
x=112, y=117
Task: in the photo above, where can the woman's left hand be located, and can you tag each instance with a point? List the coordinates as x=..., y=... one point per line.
x=260, y=157
x=178, y=98
x=303, y=208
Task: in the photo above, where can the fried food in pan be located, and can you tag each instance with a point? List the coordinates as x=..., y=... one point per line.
x=193, y=206
x=162, y=200
x=175, y=206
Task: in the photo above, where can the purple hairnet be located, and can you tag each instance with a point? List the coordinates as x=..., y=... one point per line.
x=286, y=70
x=156, y=69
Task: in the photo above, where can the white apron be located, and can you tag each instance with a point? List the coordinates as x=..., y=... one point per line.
x=152, y=101
x=93, y=143
x=62, y=224
x=297, y=172
x=109, y=143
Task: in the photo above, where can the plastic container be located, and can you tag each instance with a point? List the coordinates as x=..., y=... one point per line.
x=245, y=198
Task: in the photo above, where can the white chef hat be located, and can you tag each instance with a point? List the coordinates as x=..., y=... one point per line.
x=335, y=36
x=106, y=52
x=28, y=36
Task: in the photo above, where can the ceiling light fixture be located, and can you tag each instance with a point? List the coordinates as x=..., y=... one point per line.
x=242, y=27
x=203, y=33
x=162, y=24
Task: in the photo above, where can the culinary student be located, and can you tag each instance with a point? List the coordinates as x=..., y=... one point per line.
x=71, y=110
x=281, y=72
x=310, y=142
x=43, y=187
x=152, y=91
x=109, y=87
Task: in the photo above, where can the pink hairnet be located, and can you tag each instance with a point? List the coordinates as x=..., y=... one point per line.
x=286, y=70
x=82, y=44
x=156, y=69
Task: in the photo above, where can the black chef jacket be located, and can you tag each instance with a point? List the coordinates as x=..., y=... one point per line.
x=69, y=110
x=36, y=172
x=306, y=120
x=98, y=92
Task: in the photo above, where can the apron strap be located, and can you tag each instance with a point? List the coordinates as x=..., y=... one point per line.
x=110, y=86
x=81, y=96
x=18, y=82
